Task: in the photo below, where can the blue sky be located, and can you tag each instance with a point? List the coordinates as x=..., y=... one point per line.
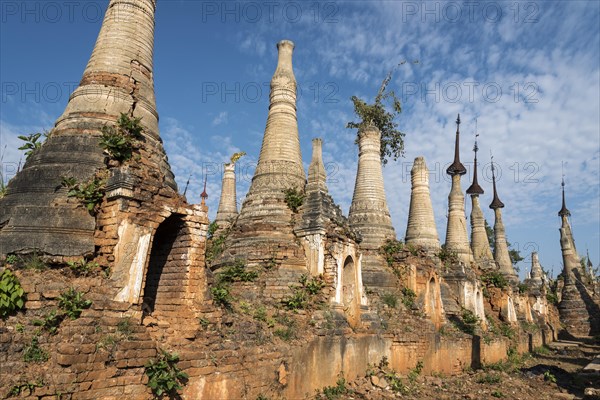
x=529, y=72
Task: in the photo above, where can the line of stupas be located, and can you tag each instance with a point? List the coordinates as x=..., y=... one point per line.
x=142, y=211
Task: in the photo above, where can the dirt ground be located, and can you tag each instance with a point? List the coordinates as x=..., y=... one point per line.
x=552, y=372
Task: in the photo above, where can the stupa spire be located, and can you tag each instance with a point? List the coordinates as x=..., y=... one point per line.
x=369, y=214
x=227, y=210
x=118, y=79
x=420, y=229
x=456, y=230
x=263, y=224
x=501, y=253
x=479, y=241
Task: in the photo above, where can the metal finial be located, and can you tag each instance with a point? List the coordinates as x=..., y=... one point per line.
x=204, y=195
x=187, y=184
x=458, y=120
x=496, y=203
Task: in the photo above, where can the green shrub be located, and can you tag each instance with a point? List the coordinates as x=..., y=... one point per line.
x=238, y=272
x=498, y=394
x=12, y=295
x=303, y=294
x=523, y=288
x=551, y=298
x=447, y=256
x=549, y=377
x=49, y=322
x=390, y=299
x=119, y=142
x=32, y=143
x=89, y=193
x=408, y=297
x=12, y=259
x=390, y=250
x=468, y=321
x=34, y=353
x=489, y=378
x=17, y=389
x=334, y=392
x=164, y=377
x=496, y=279
x=293, y=198
x=297, y=301
x=72, y=303
x=312, y=285
x=212, y=228
x=82, y=267
x=221, y=295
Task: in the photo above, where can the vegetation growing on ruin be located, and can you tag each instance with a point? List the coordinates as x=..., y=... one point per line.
x=304, y=295
x=121, y=140
x=164, y=376
x=50, y=321
x=32, y=143
x=495, y=278
x=377, y=114
x=72, y=302
x=391, y=250
x=3, y=188
x=34, y=352
x=293, y=198
x=408, y=297
x=447, y=256
x=12, y=295
x=90, y=193
x=83, y=267
x=215, y=245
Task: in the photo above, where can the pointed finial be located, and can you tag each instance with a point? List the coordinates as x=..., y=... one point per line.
x=204, y=195
x=496, y=203
x=475, y=189
x=456, y=168
x=564, y=211
x=187, y=184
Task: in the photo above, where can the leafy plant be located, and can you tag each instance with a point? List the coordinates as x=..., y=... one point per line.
x=72, y=303
x=12, y=295
x=551, y=298
x=408, y=297
x=17, y=389
x=549, y=377
x=523, y=287
x=237, y=272
x=221, y=295
x=119, y=142
x=390, y=299
x=415, y=372
x=212, y=228
x=297, y=301
x=293, y=198
x=303, y=294
x=89, y=193
x=49, y=322
x=498, y=394
x=34, y=353
x=468, y=321
x=32, y=143
x=82, y=267
x=12, y=259
x=164, y=377
x=489, y=379
x=334, y=392
x=495, y=279
x=215, y=246
x=390, y=250
x=312, y=285
x=447, y=256
x=377, y=115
